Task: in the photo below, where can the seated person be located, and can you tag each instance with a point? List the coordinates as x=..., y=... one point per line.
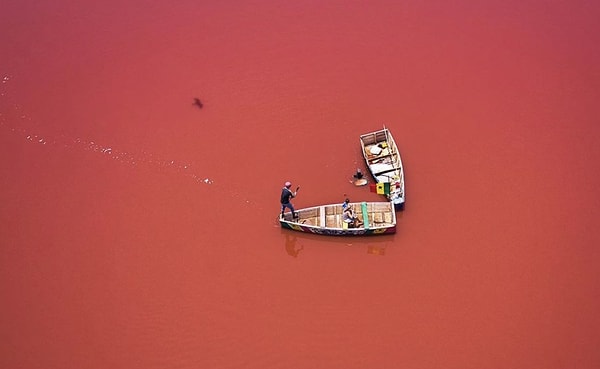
x=349, y=217
x=346, y=204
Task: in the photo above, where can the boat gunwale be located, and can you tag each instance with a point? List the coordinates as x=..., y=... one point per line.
x=349, y=231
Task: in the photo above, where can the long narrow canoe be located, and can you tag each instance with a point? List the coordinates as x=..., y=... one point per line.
x=377, y=218
x=382, y=157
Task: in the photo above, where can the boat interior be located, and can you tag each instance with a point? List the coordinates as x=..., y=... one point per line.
x=380, y=152
x=379, y=214
x=380, y=149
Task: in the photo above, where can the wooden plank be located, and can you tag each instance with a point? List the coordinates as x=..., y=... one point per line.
x=330, y=221
x=365, y=214
x=377, y=217
x=322, y=213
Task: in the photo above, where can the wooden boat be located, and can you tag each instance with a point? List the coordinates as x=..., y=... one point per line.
x=377, y=218
x=383, y=160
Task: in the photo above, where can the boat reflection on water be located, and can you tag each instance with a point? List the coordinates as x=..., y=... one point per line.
x=376, y=250
x=295, y=241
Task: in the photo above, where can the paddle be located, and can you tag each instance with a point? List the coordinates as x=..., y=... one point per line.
x=296, y=194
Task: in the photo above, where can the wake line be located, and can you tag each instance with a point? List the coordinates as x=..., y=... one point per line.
x=110, y=152
x=16, y=121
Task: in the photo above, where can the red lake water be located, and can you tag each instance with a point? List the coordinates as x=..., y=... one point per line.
x=140, y=231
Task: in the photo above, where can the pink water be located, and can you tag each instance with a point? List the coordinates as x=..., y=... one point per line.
x=138, y=231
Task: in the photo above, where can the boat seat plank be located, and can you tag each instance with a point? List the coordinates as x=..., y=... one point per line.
x=387, y=171
x=365, y=214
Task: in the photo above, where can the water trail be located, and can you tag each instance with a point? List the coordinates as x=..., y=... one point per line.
x=13, y=118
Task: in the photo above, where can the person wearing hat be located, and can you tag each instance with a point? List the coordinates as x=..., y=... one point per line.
x=286, y=196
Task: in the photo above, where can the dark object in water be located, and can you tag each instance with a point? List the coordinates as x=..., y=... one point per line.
x=198, y=103
x=359, y=180
x=358, y=174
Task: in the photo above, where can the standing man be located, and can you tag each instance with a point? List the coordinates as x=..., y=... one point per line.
x=286, y=196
